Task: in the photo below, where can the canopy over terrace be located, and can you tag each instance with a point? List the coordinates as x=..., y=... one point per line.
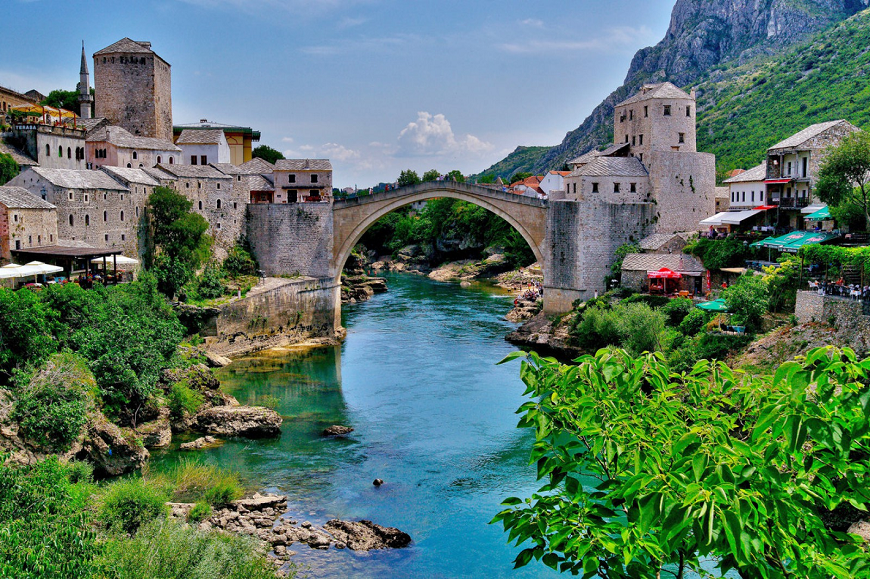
x=71, y=259
x=792, y=242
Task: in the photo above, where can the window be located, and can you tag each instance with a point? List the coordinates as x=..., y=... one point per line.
x=732, y=197
x=200, y=205
x=39, y=240
x=193, y=159
x=123, y=237
x=804, y=169
x=135, y=155
x=752, y=196
x=15, y=218
x=203, y=160
x=199, y=185
x=106, y=237
x=667, y=110
x=645, y=112
x=159, y=159
x=141, y=165
x=633, y=141
x=682, y=138
x=689, y=111
x=575, y=188
x=122, y=196
x=171, y=160
x=640, y=139
x=314, y=178
x=60, y=152
x=743, y=196
x=187, y=184
x=86, y=197
x=122, y=216
x=789, y=168
x=218, y=203
x=105, y=216
x=87, y=220
x=640, y=157
x=47, y=150
x=218, y=185
x=761, y=195
x=626, y=138
x=595, y=187
x=17, y=244
x=129, y=166
x=616, y=187
x=219, y=225
x=631, y=115
x=69, y=152
x=633, y=187
x=235, y=205
x=291, y=178
x=29, y=240
x=70, y=195
x=137, y=212
x=71, y=220
x=50, y=237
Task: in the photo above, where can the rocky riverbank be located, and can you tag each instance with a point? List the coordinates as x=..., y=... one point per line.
x=546, y=335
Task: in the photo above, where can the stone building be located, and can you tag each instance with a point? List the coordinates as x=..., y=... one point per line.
x=304, y=180
x=652, y=180
x=25, y=221
x=214, y=197
x=792, y=167
x=747, y=189
x=240, y=139
x=53, y=147
x=92, y=207
x=10, y=98
x=133, y=89
x=202, y=147
x=636, y=268
x=253, y=181
x=116, y=147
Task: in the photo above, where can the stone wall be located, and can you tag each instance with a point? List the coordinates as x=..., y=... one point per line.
x=293, y=311
x=52, y=147
x=220, y=203
x=684, y=189
x=292, y=238
x=562, y=276
x=26, y=228
x=810, y=307
x=660, y=132
x=134, y=91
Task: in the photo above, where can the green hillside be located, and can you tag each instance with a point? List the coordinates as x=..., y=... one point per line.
x=745, y=109
x=522, y=159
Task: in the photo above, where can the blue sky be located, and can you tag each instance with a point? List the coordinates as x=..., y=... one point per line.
x=375, y=85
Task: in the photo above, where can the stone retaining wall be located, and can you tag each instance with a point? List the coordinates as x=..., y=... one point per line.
x=846, y=315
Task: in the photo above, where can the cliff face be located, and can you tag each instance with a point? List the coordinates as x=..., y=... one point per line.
x=703, y=34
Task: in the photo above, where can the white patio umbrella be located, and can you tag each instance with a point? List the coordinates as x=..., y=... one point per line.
x=40, y=268
x=10, y=270
x=120, y=260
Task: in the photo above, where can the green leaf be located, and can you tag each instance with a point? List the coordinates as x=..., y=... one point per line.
x=699, y=465
x=512, y=356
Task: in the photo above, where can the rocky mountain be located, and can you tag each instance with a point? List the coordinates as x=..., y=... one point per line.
x=703, y=34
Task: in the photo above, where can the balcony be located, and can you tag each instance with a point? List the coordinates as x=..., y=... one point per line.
x=791, y=202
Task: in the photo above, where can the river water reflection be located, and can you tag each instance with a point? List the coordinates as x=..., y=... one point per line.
x=434, y=418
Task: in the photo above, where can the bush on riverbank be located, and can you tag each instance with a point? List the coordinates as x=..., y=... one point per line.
x=713, y=465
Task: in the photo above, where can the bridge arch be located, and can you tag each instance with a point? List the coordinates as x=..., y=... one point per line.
x=352, y=218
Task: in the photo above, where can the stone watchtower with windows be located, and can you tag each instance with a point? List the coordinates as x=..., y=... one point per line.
x=133, y=89
x=661, y=117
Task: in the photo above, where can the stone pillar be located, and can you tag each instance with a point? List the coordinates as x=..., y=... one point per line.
x=562, y=275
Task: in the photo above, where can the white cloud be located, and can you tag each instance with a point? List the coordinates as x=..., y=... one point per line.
x=432, y=135
x=338, y=152
x=348, y=22
x=532, y=22
x=623, y=37
x=367, y=43
x=287, y=139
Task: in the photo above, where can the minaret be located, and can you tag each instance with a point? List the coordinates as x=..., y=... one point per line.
x=85, y=98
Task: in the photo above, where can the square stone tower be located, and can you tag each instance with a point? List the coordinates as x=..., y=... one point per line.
x=660, y=117
x=133, y=89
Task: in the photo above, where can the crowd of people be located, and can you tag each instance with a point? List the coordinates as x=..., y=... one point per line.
x=840, y=289
x=532, y=292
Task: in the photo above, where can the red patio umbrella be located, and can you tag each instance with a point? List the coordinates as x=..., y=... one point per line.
x=664, y=274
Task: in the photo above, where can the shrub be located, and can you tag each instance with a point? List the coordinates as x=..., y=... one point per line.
x=694, y=322
x=210, y=283
x=130, y=504
x=240, y=262
x=183, y=400
x=677, y=309
x=640, y=327
x=25, y=332
x=200, y=512
x=194, y=481
x=168, y=550
x=718, y=346
x=747, y=299
x=651, y=301
x=80, y=472
x=597, y=328
x=52, y=407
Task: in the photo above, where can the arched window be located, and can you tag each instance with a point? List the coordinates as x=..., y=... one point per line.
x=87, y=220
x=129, y=166
x=200, y=205
x=141, y=165
x=71, y=221
x=171, y=160
x=159, y=159
x=47, y=150
x=105, y=215
x=135, y=155
x=122, y=216
x=218, y=203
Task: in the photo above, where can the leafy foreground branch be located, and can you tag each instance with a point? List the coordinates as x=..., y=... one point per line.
x=648, y=472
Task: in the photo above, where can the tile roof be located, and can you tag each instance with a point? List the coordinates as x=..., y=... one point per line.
x=656, y=261
x=664, y=90
x=656, y=241
x=722, y=192
x=79, y=179
x=808, y=133
x=127, y=46
x=19, y=156
x=612, y=167
x=258, y=165
x=90, y=125
x=562, y=173
x=594, y=154
x=126, y=175
x=208, y=125
x=158, y=174
x=757, y=173
x=120, y=137
x=201, y=137
x=259, y=183
x=303, y=165
x=248, y=168
x=194, y=171
x=21, y=198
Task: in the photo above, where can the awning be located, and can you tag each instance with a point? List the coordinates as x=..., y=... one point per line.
x=810, y=239
x=120, y=260
x=664, y=273
x=736, y=217
x=777, y=181
x=820, y=215
x=714, y=306
x=784, y=240
x=714, y=220
x=812, y=208
x=737, y=270
x=764, y=207
x=760, y=243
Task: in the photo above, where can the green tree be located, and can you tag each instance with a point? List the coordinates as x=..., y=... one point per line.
x=647, y=472
x=25, y=332
x=408, y=177
x=64, y=99
x=846, y=166
x=748, y=300
x=8, y=168
x=486, y=179
x=178, y=233
x=431, y=175
x=456, y=175
x=519, y=177
x=267, y=153
x=621, y=252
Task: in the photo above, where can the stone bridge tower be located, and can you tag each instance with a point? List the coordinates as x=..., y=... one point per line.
x=133, y=88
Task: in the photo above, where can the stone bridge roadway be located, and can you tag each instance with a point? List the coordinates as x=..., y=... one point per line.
x=352, y=217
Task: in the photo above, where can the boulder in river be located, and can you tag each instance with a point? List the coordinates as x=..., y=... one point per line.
x=248, y=421
x=157, y=433
x=337, y=430
x=200, y=443
x=112, y=450
x=366, y=535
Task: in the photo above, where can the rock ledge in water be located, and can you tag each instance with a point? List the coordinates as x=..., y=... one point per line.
x=200, y=443
x=366, y=535
x=249, y=421
x=336, y=430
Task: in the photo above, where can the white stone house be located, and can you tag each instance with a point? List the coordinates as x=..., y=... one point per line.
x=204, y=146
x=116, y=147
x=303, y=180
x=553, y=181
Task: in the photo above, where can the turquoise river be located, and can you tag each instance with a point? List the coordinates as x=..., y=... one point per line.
x=434, y=417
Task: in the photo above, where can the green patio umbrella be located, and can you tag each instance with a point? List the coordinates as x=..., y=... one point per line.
x=714, y=306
